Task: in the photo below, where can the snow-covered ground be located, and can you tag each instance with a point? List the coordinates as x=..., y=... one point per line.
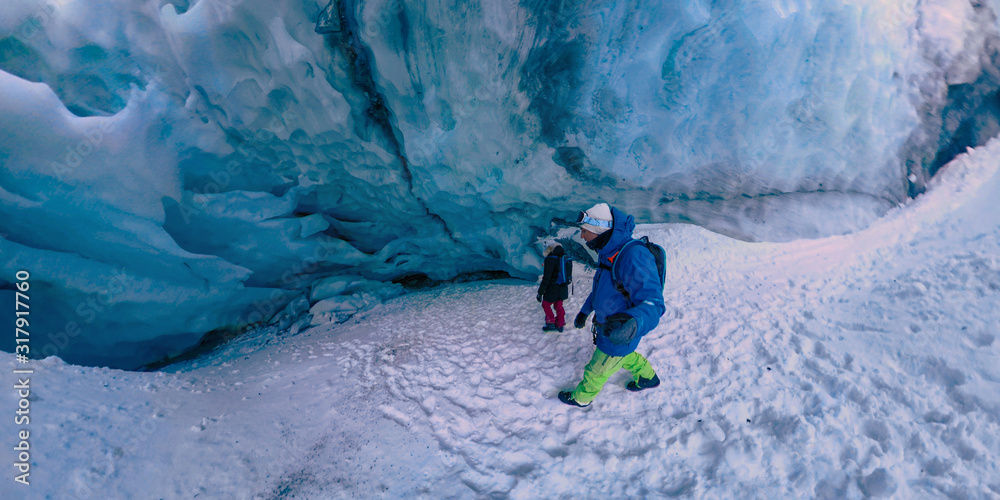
x=858, y=366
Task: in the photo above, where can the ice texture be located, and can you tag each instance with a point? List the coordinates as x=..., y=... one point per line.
x=172, y=168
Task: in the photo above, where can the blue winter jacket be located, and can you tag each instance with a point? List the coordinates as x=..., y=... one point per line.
x=637, y=273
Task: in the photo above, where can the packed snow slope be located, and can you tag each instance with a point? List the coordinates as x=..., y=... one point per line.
x=174, y=167
x=848, y=367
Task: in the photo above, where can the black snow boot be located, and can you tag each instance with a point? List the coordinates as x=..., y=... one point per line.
x=567, y=397
x=643, y=383
x=549, y=327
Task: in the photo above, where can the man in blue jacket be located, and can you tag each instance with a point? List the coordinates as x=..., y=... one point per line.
x=619, y=321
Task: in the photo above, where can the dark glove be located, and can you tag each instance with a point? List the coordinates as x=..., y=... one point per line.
x=581, y=320
x=621, y=328
x=538, y=297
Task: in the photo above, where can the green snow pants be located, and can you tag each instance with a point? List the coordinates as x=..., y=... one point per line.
x=602, y=366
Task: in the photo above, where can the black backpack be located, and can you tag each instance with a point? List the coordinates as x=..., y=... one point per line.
x=659, y=256
x=565, y=274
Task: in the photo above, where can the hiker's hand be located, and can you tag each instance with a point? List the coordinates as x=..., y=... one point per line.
x=580, y=321
x=538, y=297
x=621, y=328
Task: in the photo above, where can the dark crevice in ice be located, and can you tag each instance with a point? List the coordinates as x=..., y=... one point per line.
x=373, y=117
x=971, y=118
x=420, y=281
x=551, y=76
x=574, y=160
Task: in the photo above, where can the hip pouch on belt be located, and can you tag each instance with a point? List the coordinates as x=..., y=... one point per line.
x=620, y=329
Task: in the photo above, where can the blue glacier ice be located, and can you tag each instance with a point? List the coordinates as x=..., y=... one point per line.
x=170, y=168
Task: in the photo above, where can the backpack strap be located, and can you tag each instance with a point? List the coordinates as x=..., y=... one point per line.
x=614, y=270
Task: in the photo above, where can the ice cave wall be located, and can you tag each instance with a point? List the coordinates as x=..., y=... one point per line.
x=171, y=168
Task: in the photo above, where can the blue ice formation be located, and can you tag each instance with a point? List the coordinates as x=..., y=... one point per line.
x=170, y=168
